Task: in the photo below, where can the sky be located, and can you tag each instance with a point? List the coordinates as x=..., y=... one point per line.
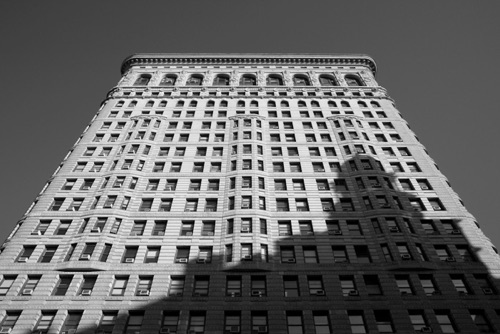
x=437, y=59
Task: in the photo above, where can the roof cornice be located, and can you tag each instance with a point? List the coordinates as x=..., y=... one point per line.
x=148, y=59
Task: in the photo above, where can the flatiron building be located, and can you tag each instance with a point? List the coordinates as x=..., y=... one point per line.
x=248, y=193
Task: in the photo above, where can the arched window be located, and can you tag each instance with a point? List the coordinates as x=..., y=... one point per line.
x=327, y=80
x=302, y=104
x=248, y=80
x=274, y=80
x=284, y=104
x=345, y=104
x=315, y=104
x=142, y=80
x=362, y=104
x=211, y=103
x=195, y=80
x=180, y=104
x=150, y=104
x=375, y=104
x=221, y=80
x=120, y=104
x=193, y=104
x=168, y=80
x=353, y=80
x=254, y=104
x=163, y=104
x=271, y=104
x=132, y=103
x=301, y=80
x=240, y=103
x=223, y=104
x=332, y=104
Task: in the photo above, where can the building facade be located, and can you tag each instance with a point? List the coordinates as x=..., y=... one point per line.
x=248, y=194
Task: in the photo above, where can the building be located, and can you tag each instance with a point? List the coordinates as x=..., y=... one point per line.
x=248, y=194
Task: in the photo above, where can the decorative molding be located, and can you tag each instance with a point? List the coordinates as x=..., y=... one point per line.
x=255, y=60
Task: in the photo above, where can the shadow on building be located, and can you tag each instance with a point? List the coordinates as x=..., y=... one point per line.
x=382, y=256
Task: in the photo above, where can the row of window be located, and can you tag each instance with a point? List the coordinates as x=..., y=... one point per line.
x=345, y=204
x=274, y=79
x=248, y=164
x=249, y=225
x=243, y=103
x=223, y=113
x=297, y=322
x=310, y=254
x=257, y=285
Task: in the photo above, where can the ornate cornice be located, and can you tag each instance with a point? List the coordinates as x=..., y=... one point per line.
x=246, y=59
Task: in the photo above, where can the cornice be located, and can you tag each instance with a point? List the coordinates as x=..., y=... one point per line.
x=247, y=59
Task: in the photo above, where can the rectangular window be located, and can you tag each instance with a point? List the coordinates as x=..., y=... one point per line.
x=134, y=322
x=87, y=285
x=383, y=321
x=182, y=255
x=294, y=322
x=119, y=286
x=170, y=322
x=6, y=284
x=45, y=321
x=48, y=254
x=130, y=254
x=258, y=287
x=144, y=286
x=30, y=285
x=287, y=254
x=357, y=321
x=176, y=286
x=105, y=253
x=196, y=322
x=25, y=253
x=445, y=321
x=321, y=322
x=152, y=254
x=291, y=286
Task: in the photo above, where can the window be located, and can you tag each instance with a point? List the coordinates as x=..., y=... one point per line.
x=291, y=286
x=9, y=320
x=318, y=167
x=465, y=253
x=306, y=227
x=165, y=204
x=87, y=285
x=25, y=253
x=282, y=204
x=284, y=228
x=404, y=285
x=357, y=321
x=134, y=322
x=274, y=80
x=340, y=254
x=41, y=228
x=196, y=322
x=436, y=204
x=30, y=285
x=246, y=202
x=105, y=253
x=6, y=284
x=108, y=321
x=445, y=321
x=215, y=167
x=182, y=255
x=302, y=204
x=362, y=254
x=176, y=286
x=233, y=286
x=45, y=321
x=144, y=286
x=287, y=254
x=56, y=204
x=119, y=286
x=485, y=284
x=259, y=322
x=383, y=321
x=310, y=254
x=48, y=254
x=258, y=286
x=327, y=204
x=353, y=80
x=130, y=254
x=294, y=322
x=315, y=284
x=428, y=285
x=170, y=321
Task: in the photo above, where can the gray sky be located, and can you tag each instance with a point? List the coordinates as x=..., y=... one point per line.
x=438, y=60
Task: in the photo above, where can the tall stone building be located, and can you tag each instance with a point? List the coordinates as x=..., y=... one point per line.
x=248, y=193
